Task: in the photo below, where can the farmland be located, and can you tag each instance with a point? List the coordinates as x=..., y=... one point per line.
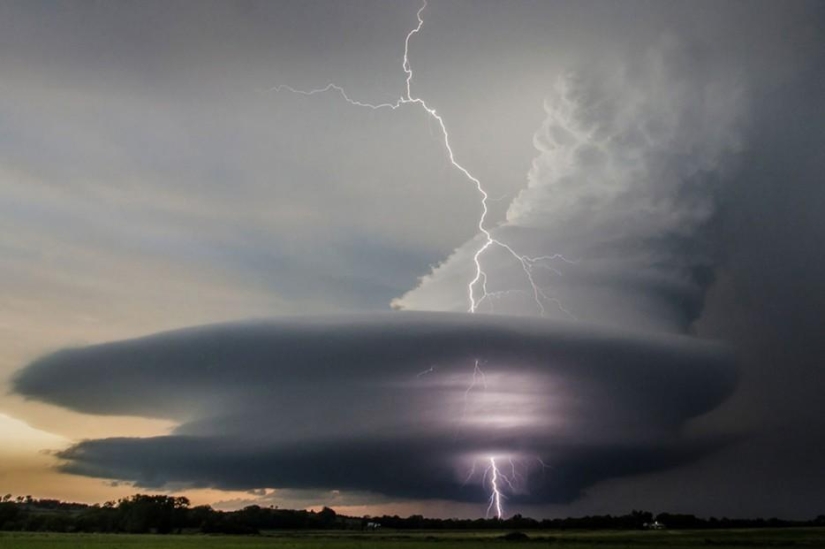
x=721, y=539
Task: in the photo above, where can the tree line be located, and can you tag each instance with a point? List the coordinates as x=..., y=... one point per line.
x=164, y=514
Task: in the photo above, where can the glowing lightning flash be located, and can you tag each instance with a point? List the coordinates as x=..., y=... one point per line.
x=477, y=291
x=477, y=288
x=495, y=496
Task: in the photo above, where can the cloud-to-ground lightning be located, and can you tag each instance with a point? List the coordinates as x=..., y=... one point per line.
x=477, y=290
x=495, y=495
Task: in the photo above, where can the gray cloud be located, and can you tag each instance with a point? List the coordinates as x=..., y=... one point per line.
x=631, y=160
x=386, y=403
x=141, y=166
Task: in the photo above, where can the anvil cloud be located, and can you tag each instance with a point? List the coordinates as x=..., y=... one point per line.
x=380, y=403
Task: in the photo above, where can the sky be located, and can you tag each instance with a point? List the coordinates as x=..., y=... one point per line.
x=215, y=286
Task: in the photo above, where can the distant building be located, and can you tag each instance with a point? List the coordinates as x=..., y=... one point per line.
x=655, y=525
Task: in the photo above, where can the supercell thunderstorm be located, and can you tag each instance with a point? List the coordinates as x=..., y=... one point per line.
x=409, y=405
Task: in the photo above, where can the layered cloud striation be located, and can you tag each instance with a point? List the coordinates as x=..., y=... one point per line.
x=389, y=404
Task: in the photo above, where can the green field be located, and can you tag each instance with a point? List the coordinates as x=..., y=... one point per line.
x=719, y=539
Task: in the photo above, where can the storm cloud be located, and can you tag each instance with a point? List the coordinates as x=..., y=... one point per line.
x=148, y=183
x=389, y=404
x=632, y=156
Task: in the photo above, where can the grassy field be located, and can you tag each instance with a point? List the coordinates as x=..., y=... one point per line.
x=719, y=539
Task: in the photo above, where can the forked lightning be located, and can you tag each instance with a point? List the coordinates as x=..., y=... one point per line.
x=477, y=291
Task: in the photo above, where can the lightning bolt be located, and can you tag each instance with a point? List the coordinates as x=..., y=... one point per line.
x=497, y=479
x=477, y=290
x=495, y=492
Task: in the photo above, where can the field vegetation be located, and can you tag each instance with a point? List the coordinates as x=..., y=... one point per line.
x=718, y=539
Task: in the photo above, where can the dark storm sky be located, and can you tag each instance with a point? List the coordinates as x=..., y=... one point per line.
x=150, y=181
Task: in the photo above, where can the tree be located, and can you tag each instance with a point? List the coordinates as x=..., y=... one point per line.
x=142, y=513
